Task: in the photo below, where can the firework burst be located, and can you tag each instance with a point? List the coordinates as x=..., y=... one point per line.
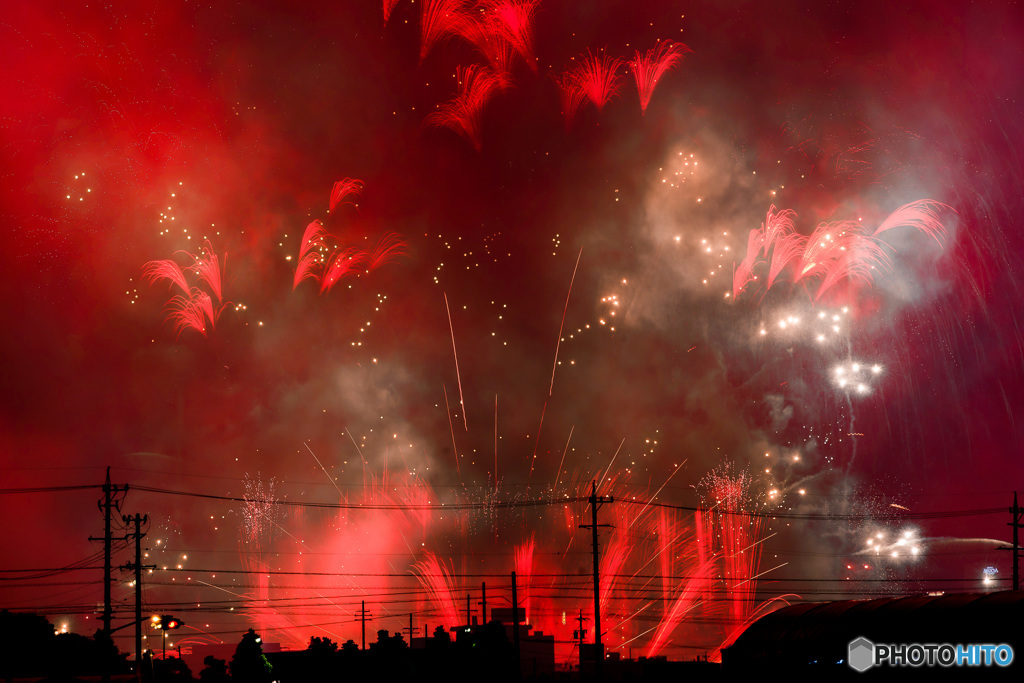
x=648, y=67
x=464, y=113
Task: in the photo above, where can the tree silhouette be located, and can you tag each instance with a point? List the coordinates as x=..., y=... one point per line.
x=30, y=647
x=216, y=671
x=249, y=664
x=322, y=646
x=171, y=670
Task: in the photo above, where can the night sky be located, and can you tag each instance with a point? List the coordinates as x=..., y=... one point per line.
x=134, y=132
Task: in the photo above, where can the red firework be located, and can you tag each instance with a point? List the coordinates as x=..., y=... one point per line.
x=436, y=579
x=515, y=21
x=650, y=66
x=743, y=273
x=341, y=263
x=613, y=557
x=571, y=95
x=195, y=312
x=463, y=113
x=492, y=43
x=835, y=251
x=782, y=239
x=736, y=536
x=524, y=574
x=922, y=215
x=207, y=267
x=502, y=31
x=389, y=5
x=440, y=19
x=839, y=250
x=193, y=308
x=686, y=600
x=345, y=188
x=388, y=250
x=311, y=258
x=323, y=260
x=598, y=78
x=165, y=270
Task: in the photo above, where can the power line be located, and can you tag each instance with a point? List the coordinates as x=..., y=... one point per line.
x=819, y=516
x=937, y=514
x=366, y=506
x=50, y=489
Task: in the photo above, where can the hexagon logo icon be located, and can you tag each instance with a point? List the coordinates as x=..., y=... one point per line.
x=861, y=654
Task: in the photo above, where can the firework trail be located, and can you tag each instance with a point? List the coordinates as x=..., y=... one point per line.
x=458, y=376
x=785, y=250
x=571, y=95
x=736, y=537
x=650, y=66
x=515, y=23
x=646, y=507
x=743, y=273
x=258, y=512
x=194, y=308
x=598, y=78
x=389, y=249
x=344, y=188
x=339, y=261
x=848, y=255
x=451, y=428
x=342, y=262
x=329, y=477
x=834, y=252
x=524, y=573
x=492, y=44
x=191, y=312
x=209, y=270
x=311, y=258
x=165, y=270
x=922, y=215
x=440, y=19
x=780, y=242
x=685, y=601
x=464, y=113
x=437, y=581
x=502, y=32
x=558, y=474
x=561, y=326
x=613, y=558
x=389, y=5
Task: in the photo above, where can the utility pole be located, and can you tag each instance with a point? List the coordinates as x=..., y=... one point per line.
x=110, y=492
x=1016, y=514
x=109, y=501
x=363, y=616
x=579, y=635
x=515, y=627
x=483, y=601
x=410, y=630
x=138, y=520
x=467, y=612
x=595, y=501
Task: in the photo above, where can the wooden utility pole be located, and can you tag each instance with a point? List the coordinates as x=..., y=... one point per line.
x=595, y=501
x=108, y=503
x=138, y=520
